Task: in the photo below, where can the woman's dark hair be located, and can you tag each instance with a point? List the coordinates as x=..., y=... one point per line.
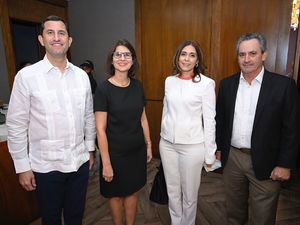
x=110, y=69
x=199, y=67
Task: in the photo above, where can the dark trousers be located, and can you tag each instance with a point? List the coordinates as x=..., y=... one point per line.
x=59, y=192
x=246, y=194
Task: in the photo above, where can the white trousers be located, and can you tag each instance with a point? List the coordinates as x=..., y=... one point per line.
x=182, y=164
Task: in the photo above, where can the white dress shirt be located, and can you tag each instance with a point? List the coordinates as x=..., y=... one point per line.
x=244, y=112
x=50, y=120
x=189, y=113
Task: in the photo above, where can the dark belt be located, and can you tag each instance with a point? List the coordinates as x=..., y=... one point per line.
x=243, y=150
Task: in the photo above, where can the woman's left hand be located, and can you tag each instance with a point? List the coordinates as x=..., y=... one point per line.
x=149, y=153
x=209, y=165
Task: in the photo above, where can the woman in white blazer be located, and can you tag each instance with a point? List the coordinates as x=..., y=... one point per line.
x=187, y=131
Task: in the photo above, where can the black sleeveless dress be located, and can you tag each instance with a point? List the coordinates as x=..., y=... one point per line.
x=126, y=143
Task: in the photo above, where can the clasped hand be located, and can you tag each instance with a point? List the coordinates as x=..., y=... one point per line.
x=280, y=173
x=27, y=180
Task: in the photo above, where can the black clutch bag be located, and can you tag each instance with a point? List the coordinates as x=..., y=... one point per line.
x=159, y=192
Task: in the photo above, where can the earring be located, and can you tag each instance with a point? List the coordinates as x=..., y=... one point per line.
x=197, y=78
x=196, y=65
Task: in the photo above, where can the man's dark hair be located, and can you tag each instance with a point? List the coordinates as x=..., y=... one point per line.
x=52, y=18
x=87, y=63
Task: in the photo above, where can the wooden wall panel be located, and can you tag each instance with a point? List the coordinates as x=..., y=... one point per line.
x=162, y=24
x=35, y=11
x=7, y=42
x=271, y=17
x=154, y=111
x=214, y=53
x=17, y=206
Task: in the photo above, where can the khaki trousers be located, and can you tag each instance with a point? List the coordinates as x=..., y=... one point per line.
x=247, y=198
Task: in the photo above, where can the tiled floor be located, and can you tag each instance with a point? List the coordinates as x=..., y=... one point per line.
x=211, y=203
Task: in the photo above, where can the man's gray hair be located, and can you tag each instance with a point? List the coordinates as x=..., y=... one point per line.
x=249, y=36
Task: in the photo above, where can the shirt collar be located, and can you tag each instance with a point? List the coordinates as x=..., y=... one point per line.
x=258, y=78
x=48, y=65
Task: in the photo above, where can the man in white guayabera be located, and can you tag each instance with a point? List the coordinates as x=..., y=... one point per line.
x=51, y=128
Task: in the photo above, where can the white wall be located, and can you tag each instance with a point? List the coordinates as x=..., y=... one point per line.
x=95, y=26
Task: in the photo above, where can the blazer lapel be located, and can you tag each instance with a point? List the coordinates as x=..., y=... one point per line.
x=263, y=95
x=232, y=96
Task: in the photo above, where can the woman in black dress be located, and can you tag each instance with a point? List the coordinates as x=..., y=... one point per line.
x=123, y=133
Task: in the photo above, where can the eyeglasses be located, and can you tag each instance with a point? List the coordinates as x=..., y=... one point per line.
x=118, y=55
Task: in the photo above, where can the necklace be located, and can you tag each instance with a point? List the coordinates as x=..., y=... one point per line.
x=119, y=84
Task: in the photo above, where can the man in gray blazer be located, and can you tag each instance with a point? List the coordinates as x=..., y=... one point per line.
x=257, y=134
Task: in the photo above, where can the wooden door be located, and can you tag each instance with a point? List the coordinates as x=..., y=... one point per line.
x=33, y=11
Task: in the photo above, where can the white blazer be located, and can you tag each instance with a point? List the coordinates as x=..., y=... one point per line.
x=189, y=113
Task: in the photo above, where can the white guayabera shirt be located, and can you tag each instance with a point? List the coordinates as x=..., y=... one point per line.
x=50, y=120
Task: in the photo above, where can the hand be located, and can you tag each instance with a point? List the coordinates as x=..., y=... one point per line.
x=108, y=173
x=149, y=153
x=280, y=173
x=209, y=165
x=27, y=180
x=92, y=160
x=218, y=155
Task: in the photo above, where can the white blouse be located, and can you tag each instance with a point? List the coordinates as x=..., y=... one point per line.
x=189, y=113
